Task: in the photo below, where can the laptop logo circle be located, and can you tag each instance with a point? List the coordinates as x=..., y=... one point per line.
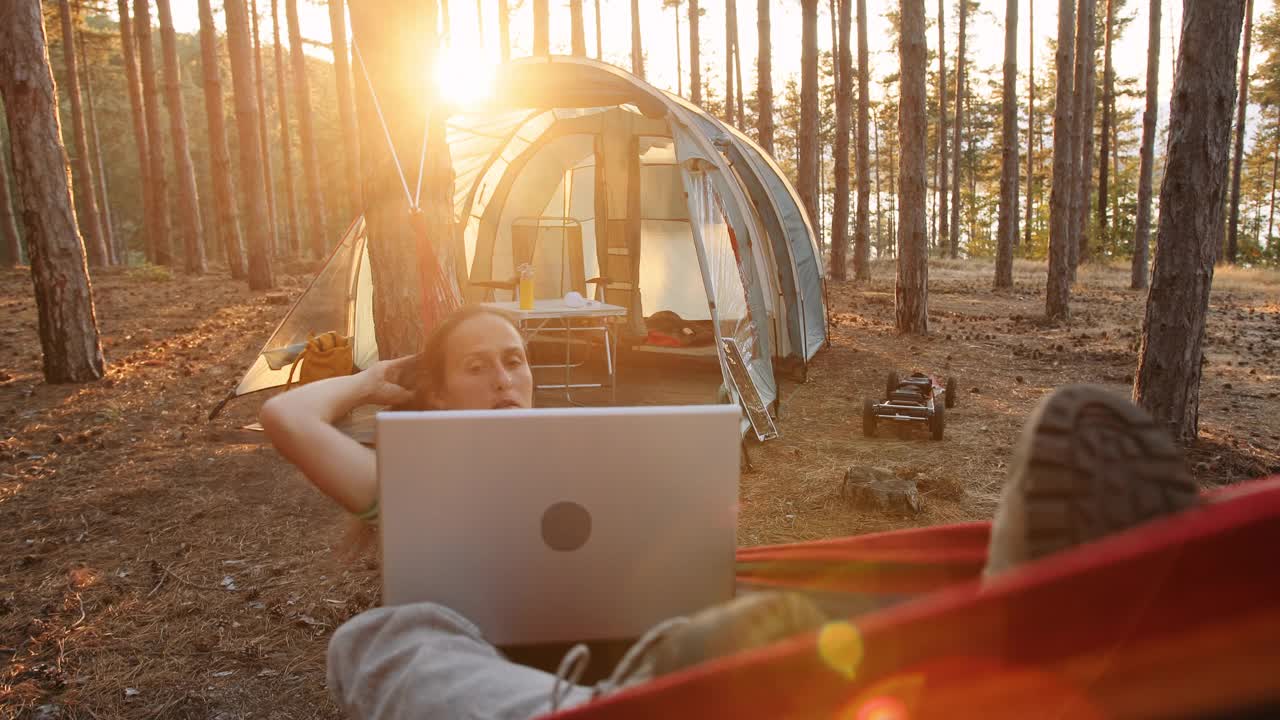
x=566, y=526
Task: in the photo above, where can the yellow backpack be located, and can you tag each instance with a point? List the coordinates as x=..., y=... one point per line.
x=326, y=355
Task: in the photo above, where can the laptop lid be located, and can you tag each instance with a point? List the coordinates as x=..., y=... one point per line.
x=563, y=524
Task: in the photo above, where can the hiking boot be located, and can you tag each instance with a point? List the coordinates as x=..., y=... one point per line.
x=747, y=622
x=1089, y=463
x=744, y=623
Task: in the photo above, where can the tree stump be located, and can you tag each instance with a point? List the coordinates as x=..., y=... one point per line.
x=878, y=490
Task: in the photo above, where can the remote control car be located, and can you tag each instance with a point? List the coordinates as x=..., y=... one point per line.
x=915, y=398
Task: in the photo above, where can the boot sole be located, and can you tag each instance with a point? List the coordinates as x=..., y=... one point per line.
x=1089, y=463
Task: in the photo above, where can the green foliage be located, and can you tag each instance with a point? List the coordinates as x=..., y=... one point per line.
x=146, y=272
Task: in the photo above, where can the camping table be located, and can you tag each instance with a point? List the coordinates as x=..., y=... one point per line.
x=556, y=316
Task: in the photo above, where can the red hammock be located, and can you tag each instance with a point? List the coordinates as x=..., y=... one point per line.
x=1179, y=617
x=440, y=295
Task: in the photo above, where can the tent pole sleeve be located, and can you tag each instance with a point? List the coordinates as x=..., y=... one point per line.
x=696, y=228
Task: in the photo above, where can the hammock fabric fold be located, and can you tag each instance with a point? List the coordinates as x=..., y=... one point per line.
x=1180, y=617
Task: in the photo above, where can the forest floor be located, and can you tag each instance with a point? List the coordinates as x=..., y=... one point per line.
x=156, y=565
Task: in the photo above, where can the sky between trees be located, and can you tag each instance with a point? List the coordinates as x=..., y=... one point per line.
x=986, y=35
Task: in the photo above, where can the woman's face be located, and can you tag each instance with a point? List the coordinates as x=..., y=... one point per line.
x=485, y=367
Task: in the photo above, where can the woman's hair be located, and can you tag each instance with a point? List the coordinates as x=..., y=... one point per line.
x=428, y=369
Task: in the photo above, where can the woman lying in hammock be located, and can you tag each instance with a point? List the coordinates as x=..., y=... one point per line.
x=426, y=661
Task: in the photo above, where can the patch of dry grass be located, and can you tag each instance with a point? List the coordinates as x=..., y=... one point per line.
x=1234, y=277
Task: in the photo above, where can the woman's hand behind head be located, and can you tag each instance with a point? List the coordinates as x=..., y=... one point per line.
x=385, y=380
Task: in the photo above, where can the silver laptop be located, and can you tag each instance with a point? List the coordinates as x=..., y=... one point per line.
x=558, y=525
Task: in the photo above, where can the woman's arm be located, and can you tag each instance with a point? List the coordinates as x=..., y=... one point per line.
x=299, y=424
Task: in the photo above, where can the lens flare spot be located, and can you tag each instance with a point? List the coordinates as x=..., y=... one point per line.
x=840, y=646
x=884, y=707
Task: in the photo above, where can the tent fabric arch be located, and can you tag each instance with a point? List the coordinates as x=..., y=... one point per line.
x=793, y=242
x=794, y=239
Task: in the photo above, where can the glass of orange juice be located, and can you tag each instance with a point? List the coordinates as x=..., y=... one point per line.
x=526, y=287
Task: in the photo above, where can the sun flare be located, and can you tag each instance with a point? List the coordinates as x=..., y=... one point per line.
x=463, y=75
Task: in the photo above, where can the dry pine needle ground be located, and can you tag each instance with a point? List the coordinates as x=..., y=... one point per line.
x=157, y=566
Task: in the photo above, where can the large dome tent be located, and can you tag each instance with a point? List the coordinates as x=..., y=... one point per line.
x=590, y=172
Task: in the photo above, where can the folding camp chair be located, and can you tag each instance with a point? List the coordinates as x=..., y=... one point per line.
x=1177, y=618
x=531, y=234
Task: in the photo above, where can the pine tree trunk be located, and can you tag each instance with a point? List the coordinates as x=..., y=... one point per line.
x=188, y=201
x=66, y=322
x=1271, y=214
x=1115, y=161
x=679, y=67
x=933, y=200
x=1108, y=112
x=541, y=28
x=875, y=129
x=260, y=85
x=944, y=232
x=637, y=52
x=290, y=235
x=252, y=195
x=224, y=197
x=317, y=229
x=10, y=241
x=599, y=34
x=764, y=78
x=737, y=72
x=834, y=11
x=912, y=291
x=1187, y=244
x=158, y=217
x=577, y=29
x=1031, y=123
x=100, y=171
x=954, y=240
x=1242, y=107
x=862, y=225
x=807, y=167
x=1086, y=80
x=695, y=61
x=1058, y=288
x=822, y=230
x=446, y=26
x=1007, y=229
x=844, y=111
x=730, y=18
x=139, y=130
x=1142, y=235
x=971, y=212
x=504, y=32
x=893, y=237
x=393, y=37
x=89, y=218
x=346, y=107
